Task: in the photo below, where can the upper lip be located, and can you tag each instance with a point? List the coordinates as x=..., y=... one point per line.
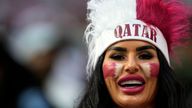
x=131, y=78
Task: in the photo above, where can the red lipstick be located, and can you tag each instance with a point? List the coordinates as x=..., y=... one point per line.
x=131, y=84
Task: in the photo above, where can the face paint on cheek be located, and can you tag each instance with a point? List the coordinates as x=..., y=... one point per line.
x=146, y=69
x=154, y=69
x=118, y=69
x=112, y=69
x=150, y=69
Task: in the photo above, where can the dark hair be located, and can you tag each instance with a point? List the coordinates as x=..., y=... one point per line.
x=170, y=92
x=169, y=95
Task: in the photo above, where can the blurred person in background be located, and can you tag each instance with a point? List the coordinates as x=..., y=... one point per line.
x=45, y=66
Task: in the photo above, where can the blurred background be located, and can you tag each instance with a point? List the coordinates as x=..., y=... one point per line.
x=43, y=56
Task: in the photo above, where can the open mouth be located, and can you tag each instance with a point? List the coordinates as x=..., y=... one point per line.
x=131, y=84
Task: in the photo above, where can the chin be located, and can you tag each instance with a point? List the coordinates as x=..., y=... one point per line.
x=133, y=102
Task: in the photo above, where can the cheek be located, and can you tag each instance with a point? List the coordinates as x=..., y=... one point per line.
x=154, y=67
x=151, y=69
x=111, y=69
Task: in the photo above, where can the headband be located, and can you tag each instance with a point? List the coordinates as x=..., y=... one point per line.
x=131, y=30
x=152, y=21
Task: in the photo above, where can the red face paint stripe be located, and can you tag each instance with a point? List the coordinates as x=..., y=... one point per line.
x=109, y=70
x=154, y=69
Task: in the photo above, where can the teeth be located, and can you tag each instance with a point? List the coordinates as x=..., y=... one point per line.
x=135, y=82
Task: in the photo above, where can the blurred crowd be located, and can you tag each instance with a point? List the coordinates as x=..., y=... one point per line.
x=43, y=56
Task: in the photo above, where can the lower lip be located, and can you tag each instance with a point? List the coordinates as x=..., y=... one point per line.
x=132, y=90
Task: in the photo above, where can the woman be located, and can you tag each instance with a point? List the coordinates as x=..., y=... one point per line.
x=129, y=45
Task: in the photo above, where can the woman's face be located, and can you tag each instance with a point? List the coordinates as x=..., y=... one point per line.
x=130, y=70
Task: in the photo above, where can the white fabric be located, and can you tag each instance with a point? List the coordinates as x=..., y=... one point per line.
x=104, y=17
x=108, y=38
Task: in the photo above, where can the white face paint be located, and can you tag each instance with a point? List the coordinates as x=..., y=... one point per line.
x=146, y=69
x=118, y=69
x=150, y=69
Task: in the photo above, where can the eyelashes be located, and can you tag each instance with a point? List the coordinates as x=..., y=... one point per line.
x=145, y=55
x=118, y=57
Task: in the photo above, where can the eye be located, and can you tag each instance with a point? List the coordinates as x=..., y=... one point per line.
x=118, y=57
x=145, y=56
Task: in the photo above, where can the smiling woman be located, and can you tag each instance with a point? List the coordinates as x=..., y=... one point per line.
x=132, y=81
x=129, y=54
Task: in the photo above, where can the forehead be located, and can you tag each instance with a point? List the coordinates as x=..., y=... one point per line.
x=131, y=44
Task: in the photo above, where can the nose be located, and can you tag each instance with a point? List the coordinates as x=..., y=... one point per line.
x=131, y=66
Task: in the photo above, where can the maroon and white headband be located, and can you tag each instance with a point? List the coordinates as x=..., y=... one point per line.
x=130, y=30
x=116, y=20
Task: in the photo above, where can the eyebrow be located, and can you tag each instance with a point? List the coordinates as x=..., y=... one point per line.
x=119, y=49
x=122, y=49
x=145, y=48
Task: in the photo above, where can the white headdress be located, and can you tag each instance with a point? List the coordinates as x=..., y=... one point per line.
x=116, y=20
